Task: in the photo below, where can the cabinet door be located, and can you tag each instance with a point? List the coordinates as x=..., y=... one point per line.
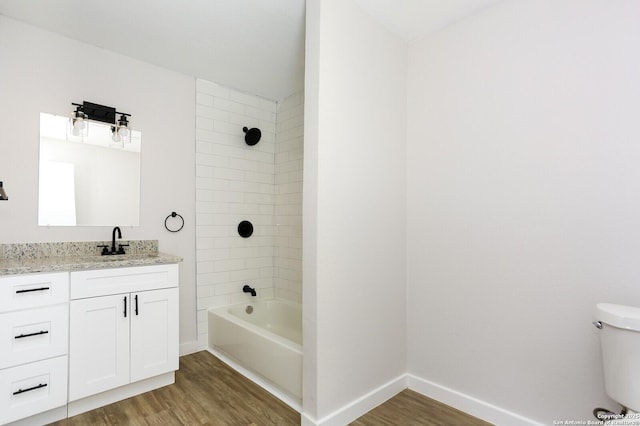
x=98, y=344
x=154, y=333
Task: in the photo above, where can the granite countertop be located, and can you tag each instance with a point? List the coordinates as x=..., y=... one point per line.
x=53, y=257
x=78, y=263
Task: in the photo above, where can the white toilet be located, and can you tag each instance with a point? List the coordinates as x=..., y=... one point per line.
x=620, y=342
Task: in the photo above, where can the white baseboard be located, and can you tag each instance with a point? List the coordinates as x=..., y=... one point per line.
x=306, y=420
x=348, y=413
x=360, y=406
x=188, y=348
x=470, y=405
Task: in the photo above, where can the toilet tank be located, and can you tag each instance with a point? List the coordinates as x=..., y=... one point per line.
x=620, y=343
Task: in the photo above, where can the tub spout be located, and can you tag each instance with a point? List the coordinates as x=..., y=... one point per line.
x=248, y=289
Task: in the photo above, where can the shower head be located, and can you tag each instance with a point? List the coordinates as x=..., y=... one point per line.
x=252, y=136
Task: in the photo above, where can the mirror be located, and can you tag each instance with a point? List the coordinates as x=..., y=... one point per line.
x=87, y=180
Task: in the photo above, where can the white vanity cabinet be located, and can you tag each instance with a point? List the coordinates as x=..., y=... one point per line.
x=123, y=331
x=33, y=346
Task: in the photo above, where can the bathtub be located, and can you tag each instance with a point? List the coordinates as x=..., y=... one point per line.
x=263, y=337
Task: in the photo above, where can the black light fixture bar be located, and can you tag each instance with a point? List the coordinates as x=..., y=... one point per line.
x=97, y=112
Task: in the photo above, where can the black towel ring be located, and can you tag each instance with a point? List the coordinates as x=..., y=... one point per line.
x=174, y=214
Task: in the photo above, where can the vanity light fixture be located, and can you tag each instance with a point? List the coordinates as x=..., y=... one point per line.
x=121, y=132
x=105, y=114
x=3, y=195
x=123, y=126
x=78, y=122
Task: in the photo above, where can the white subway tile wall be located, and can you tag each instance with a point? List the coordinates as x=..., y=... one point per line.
x=236, y=182
x=288, y=198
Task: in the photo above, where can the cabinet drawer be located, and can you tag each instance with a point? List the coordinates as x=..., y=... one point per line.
x=33, y=290
x=103, y=282
x=32, y=388
x=33, y=334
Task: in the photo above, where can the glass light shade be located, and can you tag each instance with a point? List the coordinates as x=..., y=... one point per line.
x=115, y=136
x=79, y=124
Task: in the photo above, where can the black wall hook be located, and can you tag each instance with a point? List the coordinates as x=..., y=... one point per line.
x=252, y=136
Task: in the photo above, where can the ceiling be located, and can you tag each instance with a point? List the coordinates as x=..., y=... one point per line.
x=256, y=46
x=414, y=19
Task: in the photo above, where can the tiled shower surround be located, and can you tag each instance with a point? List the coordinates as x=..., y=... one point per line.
x=288, y=201
x=236, y=182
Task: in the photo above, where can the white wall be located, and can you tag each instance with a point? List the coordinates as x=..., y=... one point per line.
x=523, y=206
x=354, y=209
x=44, y=72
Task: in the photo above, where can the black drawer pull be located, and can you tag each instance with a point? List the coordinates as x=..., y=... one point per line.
x=22, y=336
x=19, y=391
x=32, y=289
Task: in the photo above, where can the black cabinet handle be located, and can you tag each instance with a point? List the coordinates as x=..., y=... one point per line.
x=32, y=289
x=125, y=306
x=19, y=391
x=136, y=305
x=22, y=336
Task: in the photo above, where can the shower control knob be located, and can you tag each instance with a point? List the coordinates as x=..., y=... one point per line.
x=598, y=325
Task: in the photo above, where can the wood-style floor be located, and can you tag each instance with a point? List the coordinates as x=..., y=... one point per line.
x=208, y=392
x=410, y=408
